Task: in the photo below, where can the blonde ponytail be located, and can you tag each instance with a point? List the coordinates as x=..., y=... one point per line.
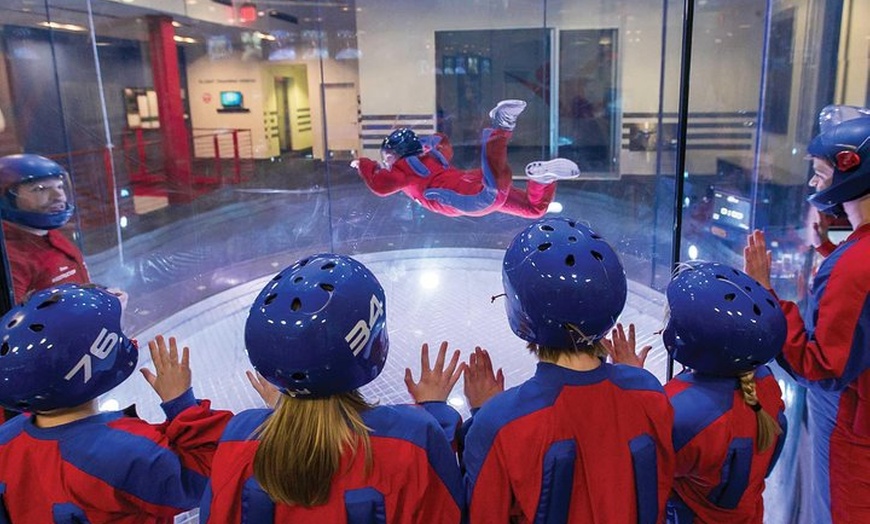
x=301, y=445
x=768, y=427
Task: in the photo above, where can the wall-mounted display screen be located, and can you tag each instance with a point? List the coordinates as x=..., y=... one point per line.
x=231, y=99
x=232, y=102
x=730, y=210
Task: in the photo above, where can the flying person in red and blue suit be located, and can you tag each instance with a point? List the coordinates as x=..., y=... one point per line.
x=421, y=168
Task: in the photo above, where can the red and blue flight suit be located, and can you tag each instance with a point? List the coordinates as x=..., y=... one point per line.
x=723, y=326
x=427, y=176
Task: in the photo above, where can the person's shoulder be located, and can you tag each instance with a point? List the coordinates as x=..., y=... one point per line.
x=633, y=378
x=244, y=423
x=514, y=403
x=12, y=428
x=408, y=422
x=397, y=416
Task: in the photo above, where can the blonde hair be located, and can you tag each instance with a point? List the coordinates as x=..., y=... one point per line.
x=768, y=427
x=302, y=442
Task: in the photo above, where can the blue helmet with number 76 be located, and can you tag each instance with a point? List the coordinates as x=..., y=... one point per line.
x=319, y=328
x=63, y=347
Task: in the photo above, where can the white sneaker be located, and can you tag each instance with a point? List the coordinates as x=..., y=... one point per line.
x=547, y=171
x=505, y=113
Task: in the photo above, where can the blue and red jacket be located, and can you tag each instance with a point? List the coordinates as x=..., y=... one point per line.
x=828, y=351
x=431, y=180
x=574, y=447
x=720, y=472
x=108, y=467
x=414, y=479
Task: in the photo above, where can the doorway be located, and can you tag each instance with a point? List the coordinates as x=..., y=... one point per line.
x=283, y=85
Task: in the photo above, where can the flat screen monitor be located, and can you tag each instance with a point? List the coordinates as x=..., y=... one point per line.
x=231, y=99
x=731, y=210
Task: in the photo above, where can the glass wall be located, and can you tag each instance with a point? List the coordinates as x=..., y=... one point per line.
x=210, y=143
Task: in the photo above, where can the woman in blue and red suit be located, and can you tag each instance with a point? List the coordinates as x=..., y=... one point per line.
x=421, y=169
x=829, y=353
x=723, y=327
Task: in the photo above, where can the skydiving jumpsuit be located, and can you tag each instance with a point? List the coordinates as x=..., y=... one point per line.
x=435, y=184
x=414, y=479
x=720, y=472
x=572, y=447
x=108, y=467
x=830, y=355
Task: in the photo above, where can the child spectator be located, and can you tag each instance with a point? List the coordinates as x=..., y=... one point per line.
x=318, y=332
x=63, y=460
x=729, y=420
x=582, y=440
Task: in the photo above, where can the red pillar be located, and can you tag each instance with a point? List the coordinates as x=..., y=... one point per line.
x=167, y=84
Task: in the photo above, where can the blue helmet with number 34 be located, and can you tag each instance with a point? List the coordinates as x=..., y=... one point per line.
x=319, y=328
x=63, y=347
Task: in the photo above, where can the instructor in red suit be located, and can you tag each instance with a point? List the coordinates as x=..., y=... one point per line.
x=33, y=204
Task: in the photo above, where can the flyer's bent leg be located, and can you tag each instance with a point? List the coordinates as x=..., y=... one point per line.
x=497, y=172
x=531, y=203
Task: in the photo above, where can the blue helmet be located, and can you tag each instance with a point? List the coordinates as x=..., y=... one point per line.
x=402, y=143
x=20, y=169
x=564, y=284
x=319, y=327
x=844, y=141
x=63, y=347
x=721, y=321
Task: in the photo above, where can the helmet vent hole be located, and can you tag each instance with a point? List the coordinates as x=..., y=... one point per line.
x=327, y=287
x=277, y=277
x=572, y=223
x=748, y=289
x=298, y=280
x=303, y=262
x=53, y=299
x=296, y=305
x=4, y=349
x=722, y=277
x=270, y=298
x=327, y=266
x=546, y=228
x=569, y=260
x=598, y=256
x=12, y=323
x=545, y=246
x=36, y=328
x=299, y=375
x=730, y=297
x=572, y=239
x=756, y=309
x=595, y=236
x=772, y=303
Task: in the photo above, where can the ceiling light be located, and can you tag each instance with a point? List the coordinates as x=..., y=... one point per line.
x=65, y=27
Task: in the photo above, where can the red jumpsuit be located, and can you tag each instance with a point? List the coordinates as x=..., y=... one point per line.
x=438, y=186
x=414, y=477
x=720, y=472
x=572, y=446
x=41, y=261
x=109, y=467
x=828, y=351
